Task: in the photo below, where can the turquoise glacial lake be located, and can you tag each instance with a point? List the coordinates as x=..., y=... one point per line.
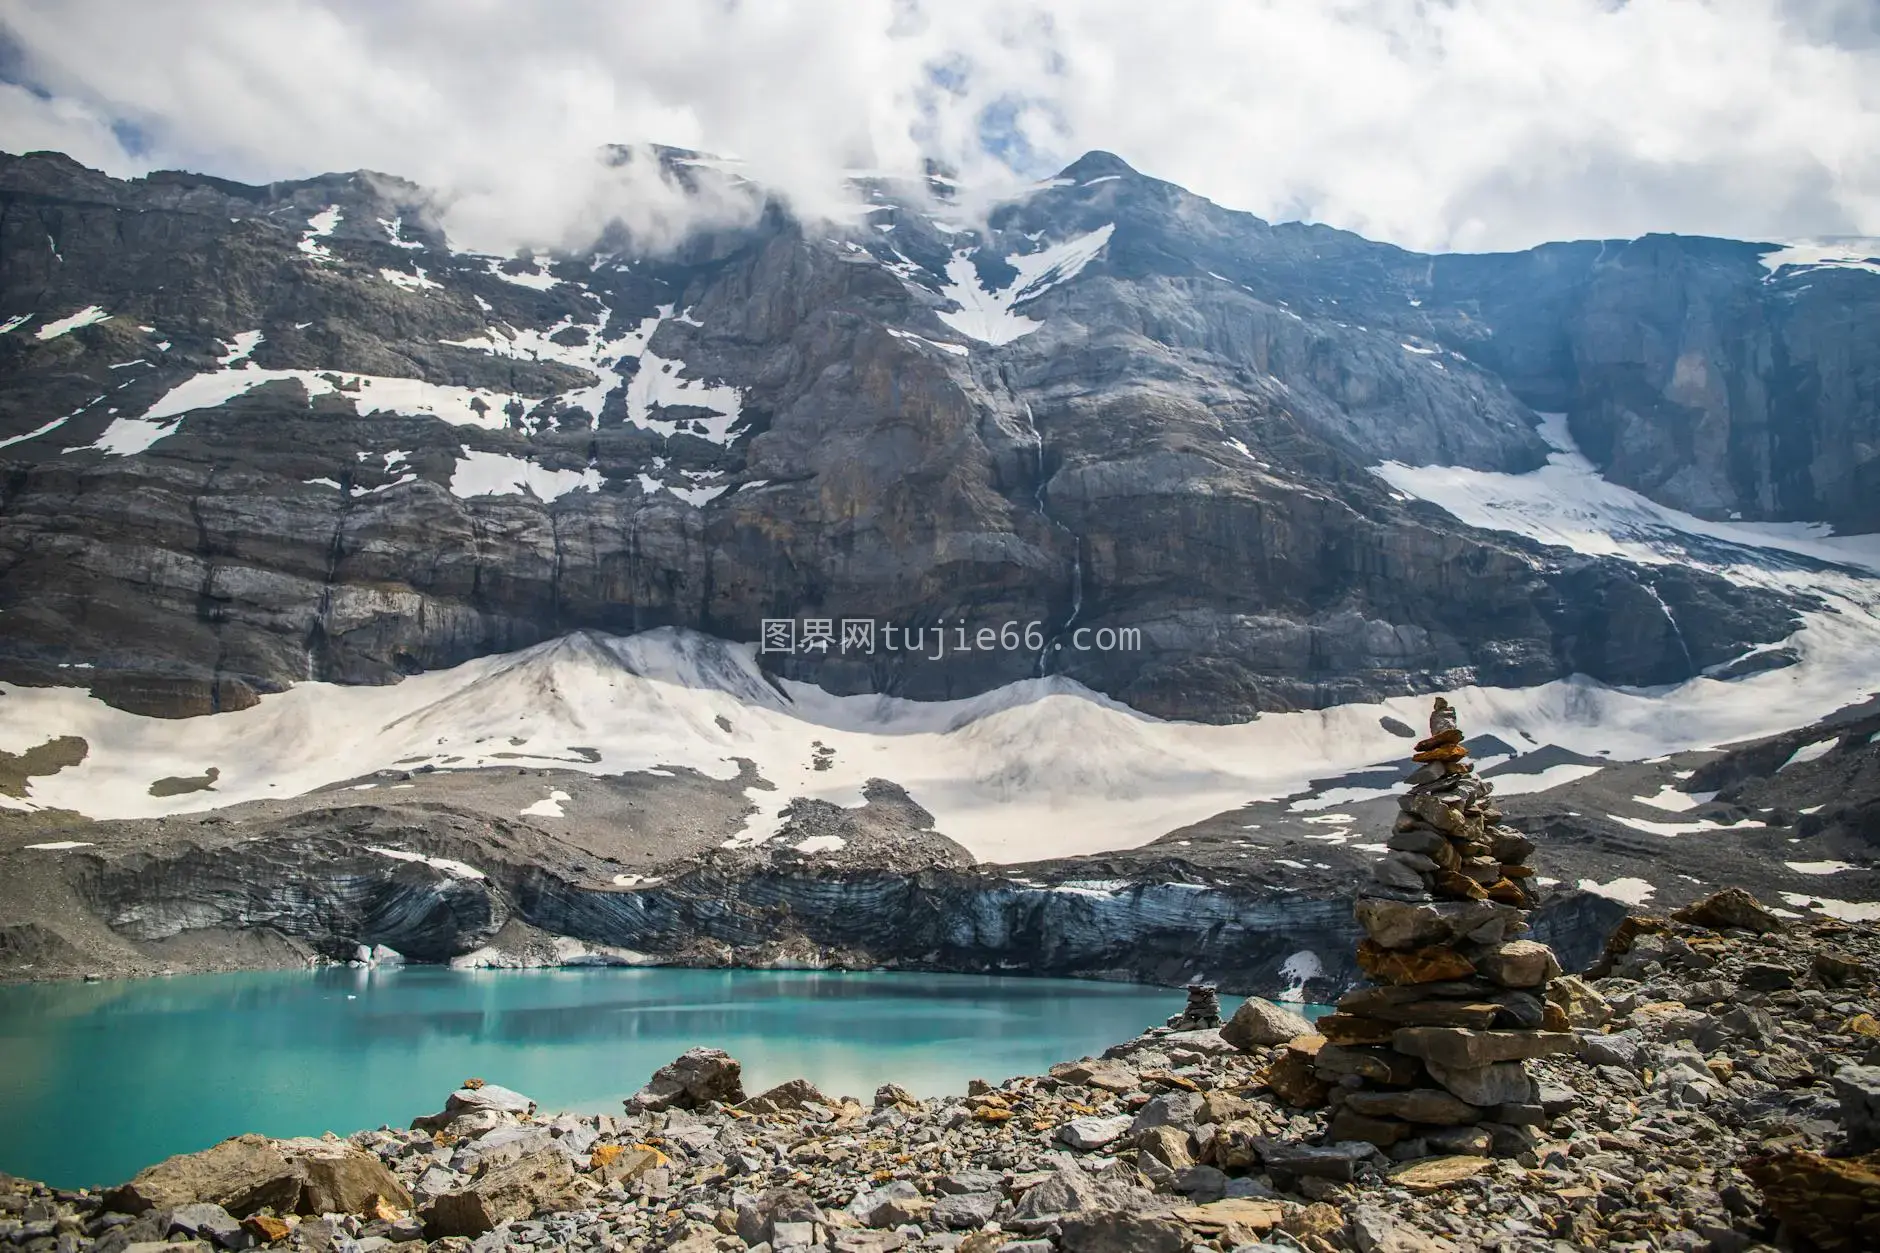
x=98, y=1080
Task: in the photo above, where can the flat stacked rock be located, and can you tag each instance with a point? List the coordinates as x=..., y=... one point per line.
x=1429, y=1057
x=1202, y=1011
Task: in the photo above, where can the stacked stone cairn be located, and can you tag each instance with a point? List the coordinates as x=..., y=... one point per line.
x=1203, y=1010
x=1429, y=1058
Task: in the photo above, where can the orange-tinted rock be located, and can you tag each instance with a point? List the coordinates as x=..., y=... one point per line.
x=1422, y=965
x=1456, y=886
x=1442, y=738
x=1448, y=752
x=266, y=1228
x=1833, y=1202
x=1732, y=907
x=1508, y=892
x=1353, y=1029
x=1294, y=1081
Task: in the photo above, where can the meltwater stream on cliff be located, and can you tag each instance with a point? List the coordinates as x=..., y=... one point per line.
x=100, y=1079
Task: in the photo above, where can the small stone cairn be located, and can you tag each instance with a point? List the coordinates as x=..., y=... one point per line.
x=1429, y=1057
x=1202, y=1011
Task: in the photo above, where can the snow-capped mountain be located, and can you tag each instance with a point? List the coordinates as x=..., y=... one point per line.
x=262, y=435
x=392, y=512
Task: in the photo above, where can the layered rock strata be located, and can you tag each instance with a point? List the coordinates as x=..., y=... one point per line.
x=1429, y=1057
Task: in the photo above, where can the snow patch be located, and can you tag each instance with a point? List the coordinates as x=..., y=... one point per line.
x=455, y=869
x=393, y=228
x=820, y=844
x=537, y=279
x=1809, y=752
x=1627, y=891
x=958, y=350
x=481, y=473
x=1517, y=784
x=1670, y=799
x=409, y=282
x=548, y=807
x=59, y=846
x=1846, y=911
x=1821, y=254
x=990, y=316
x=1684, y=828
x=241, y=347
x=1296, y=971
x=319, y=226
x=90, y=315
x=1566, y=503
x=1819, y=867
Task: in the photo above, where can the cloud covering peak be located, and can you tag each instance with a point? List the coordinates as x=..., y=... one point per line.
x=1466, y=124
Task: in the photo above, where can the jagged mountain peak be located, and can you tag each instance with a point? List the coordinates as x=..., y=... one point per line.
x=1096, y=164
x=1107, y=411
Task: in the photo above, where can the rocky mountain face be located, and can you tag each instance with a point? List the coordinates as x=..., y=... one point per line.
x=256, y=435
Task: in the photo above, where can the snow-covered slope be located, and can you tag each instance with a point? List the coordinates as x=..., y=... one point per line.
x=1039, y=769
x=1035, y=769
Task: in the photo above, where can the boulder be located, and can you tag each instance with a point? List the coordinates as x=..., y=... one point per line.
x=1424, y=1105
x=1110, y=1076
x=342, y=1178
x=964, y=1211
x=1119, y=1231
x=1498, y=1083
x=890, y=1205
x=1171, y=1109
x=1732, y=907
x=1261, y=1024
x=1834, y=1203
x=695, y=1078
x=1436, y=1173
x=1220, y=1106
x=1348, y=1124
x=1457, y=1046
x=616, y=1164
x=1579, y=1001
x=1429, y=964
x=1407, y=1007
x=1072, y=1191
x=1461, y=1141
x=1518, y=964
x=543, y=1180
x=1171, y=1146
x=485, y=1101
x=893, y=1094
x=791, y=1094
x=1347, y=1029
x=1093, y=1132
x=1374, y=1231
x=1292, y=1077
x=1380, y=1065
x=242, y=1175
x=1338, y=1160
x=1858, y=1090
x=211, y=1222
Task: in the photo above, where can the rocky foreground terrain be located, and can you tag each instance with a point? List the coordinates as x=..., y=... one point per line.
x=1723, y=1094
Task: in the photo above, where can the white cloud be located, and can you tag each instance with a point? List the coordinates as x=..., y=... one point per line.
x=1468, y=123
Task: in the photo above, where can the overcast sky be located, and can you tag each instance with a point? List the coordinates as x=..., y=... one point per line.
x=1437, y=124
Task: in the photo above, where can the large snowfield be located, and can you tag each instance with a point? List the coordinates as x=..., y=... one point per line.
x=1037, y=769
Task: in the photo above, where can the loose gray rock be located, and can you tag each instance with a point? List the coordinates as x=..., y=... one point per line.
x=1260, y=1024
